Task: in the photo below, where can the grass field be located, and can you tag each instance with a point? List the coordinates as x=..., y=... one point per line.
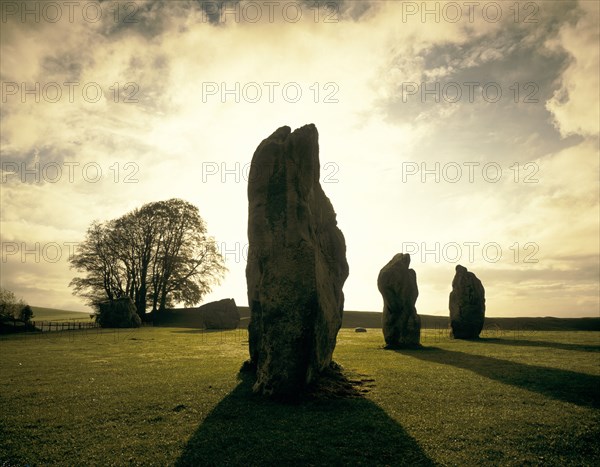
x=168, y=396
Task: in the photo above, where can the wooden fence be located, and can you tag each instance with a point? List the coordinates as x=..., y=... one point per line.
x=46, y=326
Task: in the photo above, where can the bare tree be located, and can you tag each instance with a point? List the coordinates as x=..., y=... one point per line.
x=158, y=254
x=98, y=256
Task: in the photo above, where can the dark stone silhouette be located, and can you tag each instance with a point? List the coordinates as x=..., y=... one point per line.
x=222, y=314
x=296, y=267
x=119, y=313
x=359, y=329
x=467, y=305
x=398, y=286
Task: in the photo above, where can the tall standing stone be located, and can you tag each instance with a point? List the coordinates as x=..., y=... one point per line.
x=296, y=264
x=398, y=286
x=467, y=305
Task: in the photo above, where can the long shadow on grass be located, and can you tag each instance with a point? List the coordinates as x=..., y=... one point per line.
x=564, y=385
x=529, y=343
x=201, y=331
x=245, y=429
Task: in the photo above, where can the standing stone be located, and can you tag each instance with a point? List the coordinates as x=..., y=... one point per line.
x=398, y=286
x=296, y=264
x=118, y=313
x=222, y=314
x=467, y=305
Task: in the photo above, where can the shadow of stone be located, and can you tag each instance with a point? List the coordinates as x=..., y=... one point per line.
x=200, y=331
x=333, y=425
x=530, y=343
x=568, y=386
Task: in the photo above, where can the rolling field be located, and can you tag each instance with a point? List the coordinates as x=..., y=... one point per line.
x=53, y=314
x=172, y=396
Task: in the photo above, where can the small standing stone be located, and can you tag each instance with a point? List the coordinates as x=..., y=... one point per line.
x=222, y=314
x=398, y=286
x=467, y=305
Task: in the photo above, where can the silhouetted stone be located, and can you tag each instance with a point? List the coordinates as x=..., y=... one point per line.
x=467, y=305
x=398, y=286
x=296, y=264
x=360, y=330
x=118, y=313
x=222, y=314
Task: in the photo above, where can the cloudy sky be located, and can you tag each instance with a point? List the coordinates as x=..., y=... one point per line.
x=456, y=132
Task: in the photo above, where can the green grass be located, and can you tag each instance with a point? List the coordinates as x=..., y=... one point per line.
x=167, y=396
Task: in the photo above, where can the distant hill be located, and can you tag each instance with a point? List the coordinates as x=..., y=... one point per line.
x=188, y=318
x=41, y=313
x=353, y=319
x=42, y=317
